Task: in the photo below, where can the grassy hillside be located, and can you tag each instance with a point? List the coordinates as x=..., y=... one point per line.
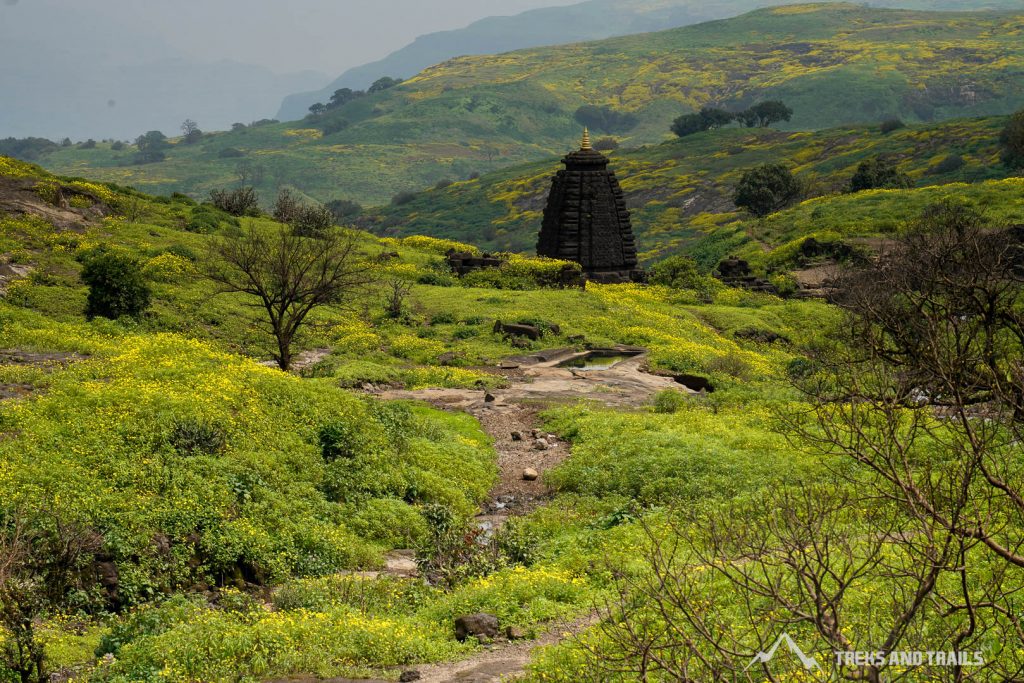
x=592, y=20
x=680, y=192
x=834, y=64
x=201, y=480
x=199, y=472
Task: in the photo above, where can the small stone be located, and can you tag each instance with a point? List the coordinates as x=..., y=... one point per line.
x=409, y=676
x=517, y=436
x=515, y=633
x=530, y=474
x=535, y=433
x=489, y=397
x=541, y=445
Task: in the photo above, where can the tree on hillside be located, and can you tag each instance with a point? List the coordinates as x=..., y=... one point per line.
x=190, y=132
x=26, y=149
x=249, y=172
x=1012, y=141
x=305, y=220
x=243, y=201
x=766, y=189
x=879, y=173
x=317, y=109
x=151, y=147
x=343, y=96
x=384, y=83
x=708, y=118
x=343, y=209
x=116, y=284
x=764, y=114
x=288, y=277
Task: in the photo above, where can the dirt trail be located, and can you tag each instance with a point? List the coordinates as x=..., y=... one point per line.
x=509, y=416
x=501, y=662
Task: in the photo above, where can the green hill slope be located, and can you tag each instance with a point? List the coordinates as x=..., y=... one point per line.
x=833, y=63
x=680, y=191
x=592, y=20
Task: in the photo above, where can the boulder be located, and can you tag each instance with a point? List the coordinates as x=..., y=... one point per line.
x=531, y=332
x=480, y=625
x=517, y=436
x=530, y=474
x=515, y=633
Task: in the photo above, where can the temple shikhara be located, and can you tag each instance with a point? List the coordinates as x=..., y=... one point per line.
x=586, y=219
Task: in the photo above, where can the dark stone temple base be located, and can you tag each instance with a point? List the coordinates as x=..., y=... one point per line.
x=617, y=277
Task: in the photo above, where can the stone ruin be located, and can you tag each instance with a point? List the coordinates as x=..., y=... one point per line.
x=462, y=262
x=735, y=272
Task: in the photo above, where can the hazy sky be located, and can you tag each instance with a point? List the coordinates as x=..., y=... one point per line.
x=328, y=36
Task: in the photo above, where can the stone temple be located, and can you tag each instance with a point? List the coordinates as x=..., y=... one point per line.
x=586, y=219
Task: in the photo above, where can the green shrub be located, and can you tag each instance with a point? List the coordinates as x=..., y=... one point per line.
x=1011, y=141
x=190, y=436
x=343, y=209
x=388, y=521
x=339, y=440
x=148, y=620
x=949, y=164
x=380, y=596
x=437, y=279
x=879, y=173
x=403, y=198
x=766, y=189
x=785, y=284
x=443, y=318
x=239, y=202
x=206, y=219
x=116, y=284
x=889, y=125
x=669, y=401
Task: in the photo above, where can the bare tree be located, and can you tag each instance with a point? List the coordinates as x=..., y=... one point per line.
x=41, y=563
x=395, y=292
x=914, y=404
x=290, y=276
x=927, y=389
x=715, y=591
x=190, y=132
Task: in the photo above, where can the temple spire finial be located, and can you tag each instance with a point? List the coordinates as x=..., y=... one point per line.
x=585, y=145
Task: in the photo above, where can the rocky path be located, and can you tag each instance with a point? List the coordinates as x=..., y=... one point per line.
x=525, y=452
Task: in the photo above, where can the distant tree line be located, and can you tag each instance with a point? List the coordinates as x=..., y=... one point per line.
x=760, y=115
x=27, y=149
x=343, y=96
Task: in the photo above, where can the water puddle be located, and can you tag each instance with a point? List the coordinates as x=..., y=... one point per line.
x=596, y=360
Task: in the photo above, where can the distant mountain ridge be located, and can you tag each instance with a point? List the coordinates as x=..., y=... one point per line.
x=592, y=20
